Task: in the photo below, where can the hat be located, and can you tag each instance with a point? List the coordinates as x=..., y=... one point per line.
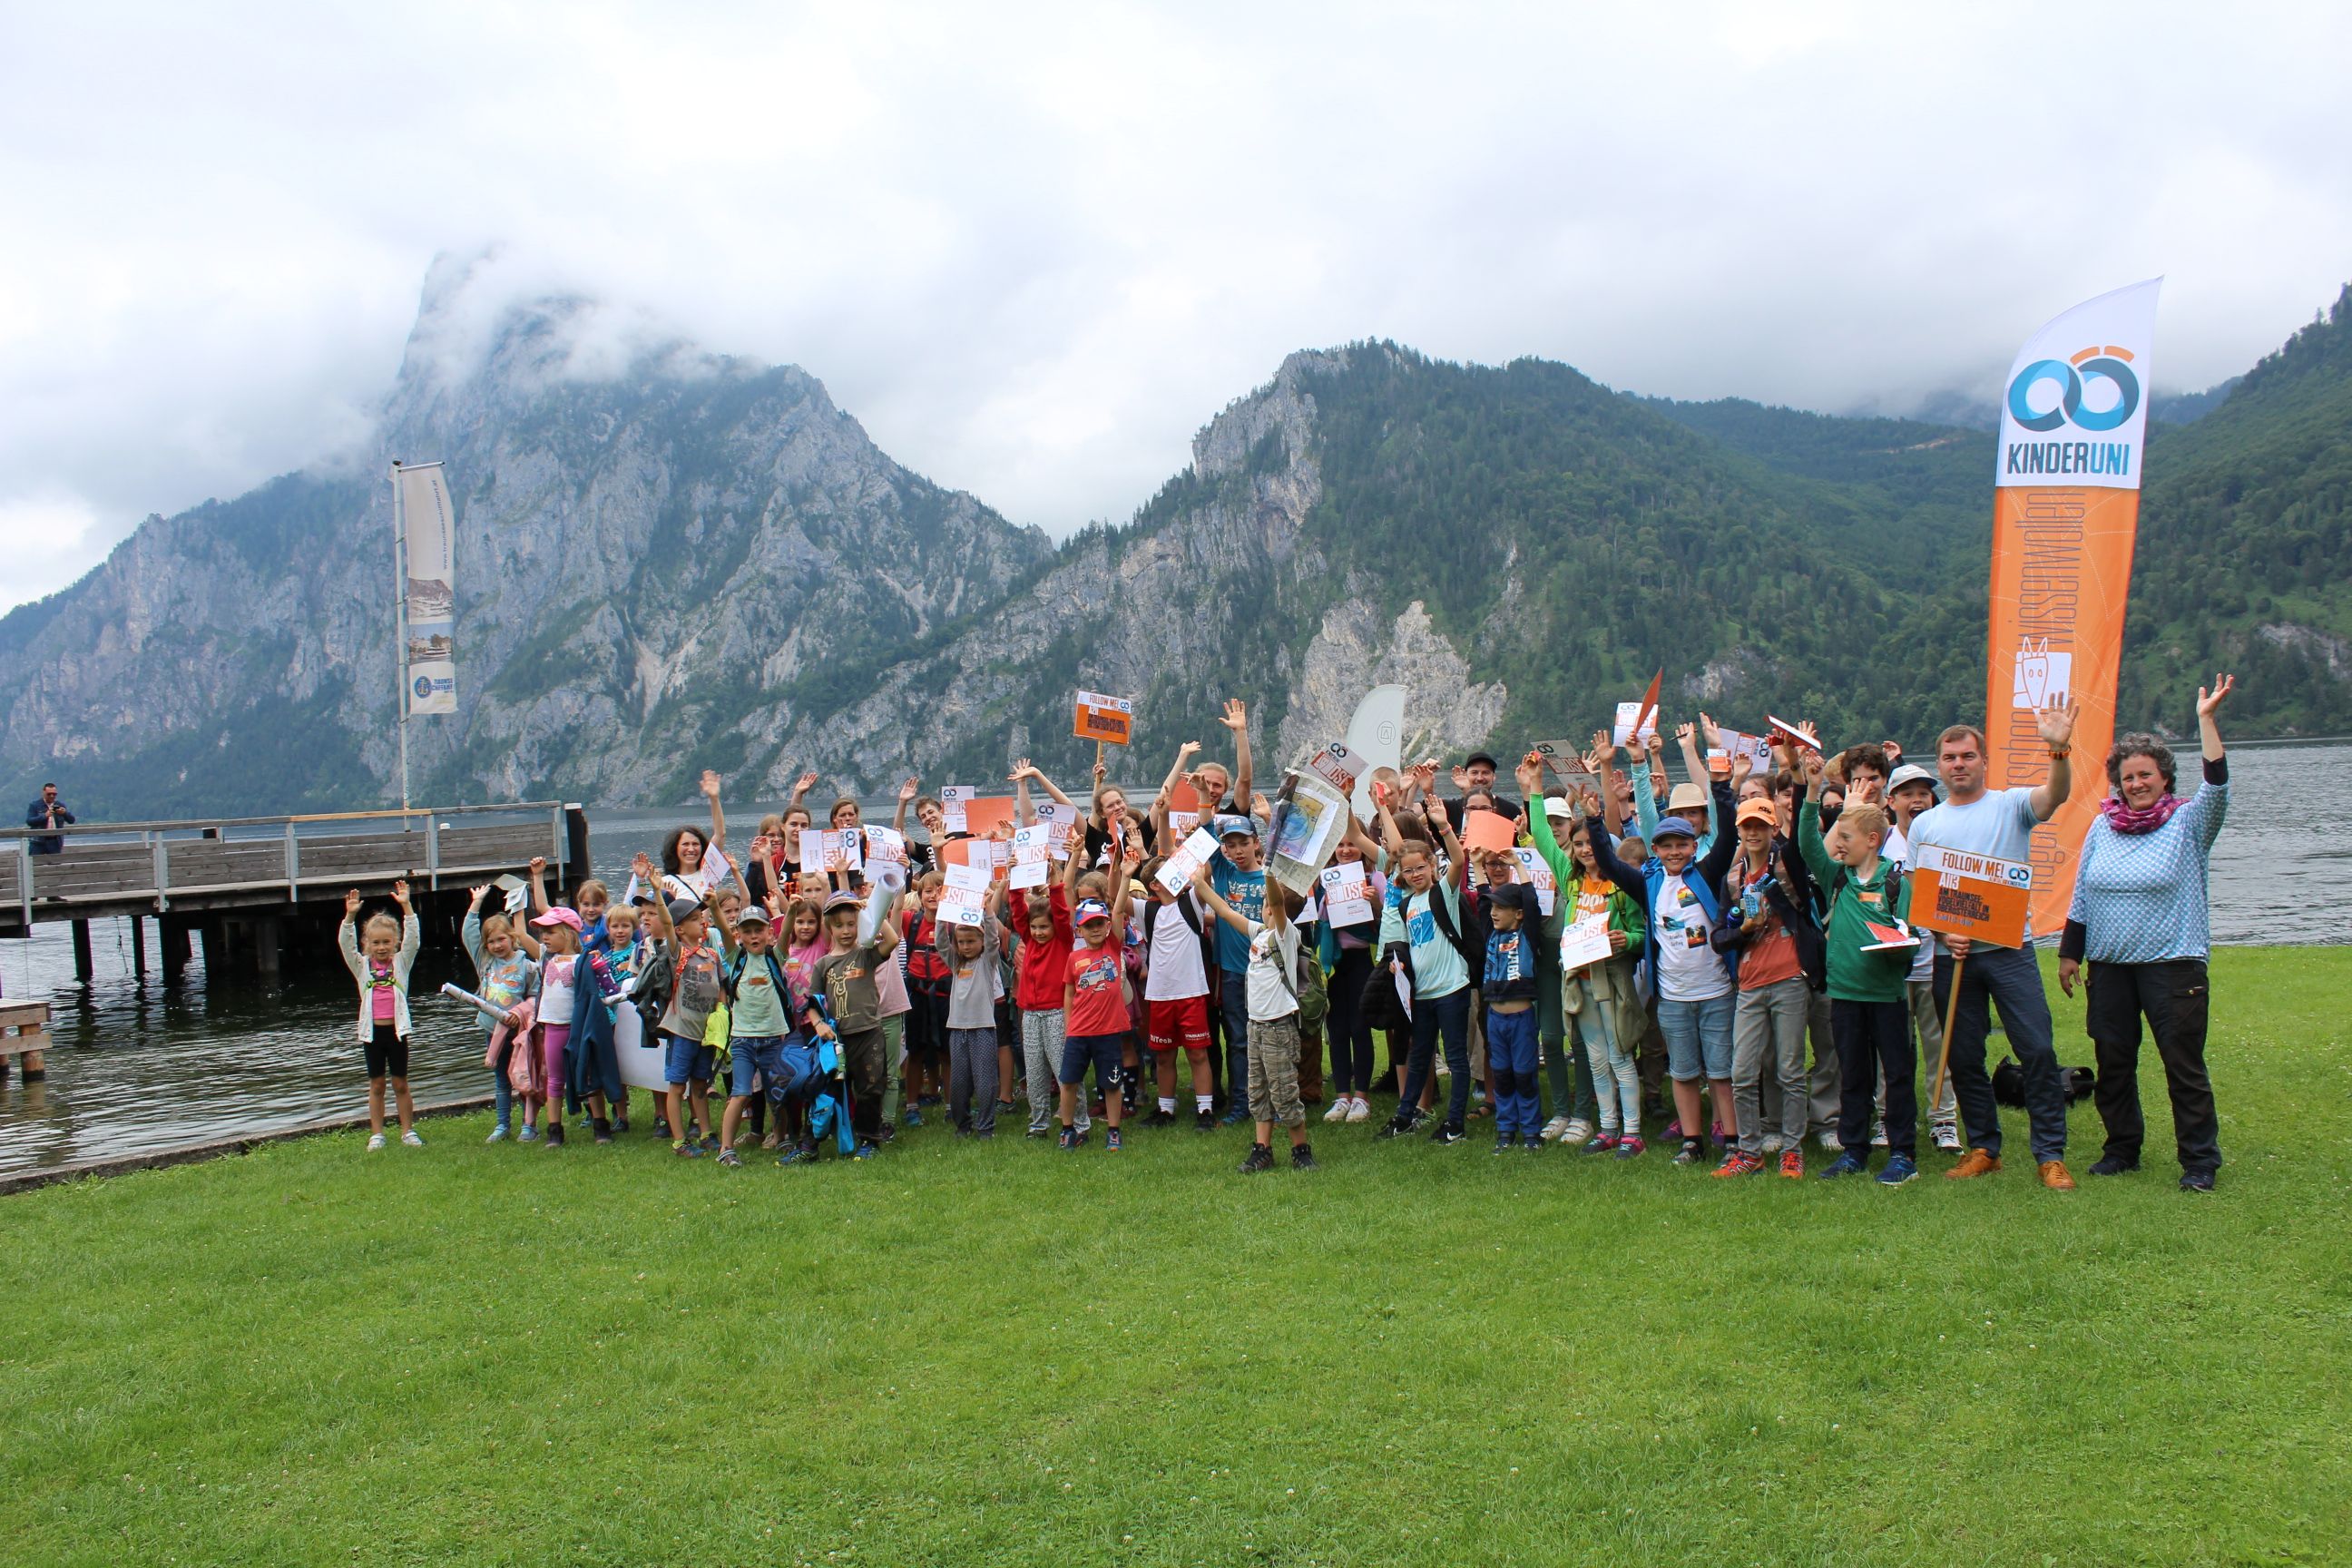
x=1092, y=909
x=1511, y=896
x=1758, y=810
x=752, y=915
x=1475, y=757
x=679, y=909
x=841, y=901
x=1236, y=826
x=1909, y=772
x=1687, y=795
x=1557, y=806
x=1672, y=827
x=558, y=918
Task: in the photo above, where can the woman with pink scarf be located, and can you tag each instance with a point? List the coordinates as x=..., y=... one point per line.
x=2139, y=918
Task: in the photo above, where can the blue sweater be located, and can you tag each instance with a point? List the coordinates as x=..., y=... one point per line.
x=2140, y=898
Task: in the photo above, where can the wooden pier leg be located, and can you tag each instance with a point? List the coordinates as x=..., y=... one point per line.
x=173, y=932
x=81, y=951
x=214, y=941
x=139, y=946
x=267, y=938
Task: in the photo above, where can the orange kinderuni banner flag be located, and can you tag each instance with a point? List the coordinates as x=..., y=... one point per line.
x=2065, y=511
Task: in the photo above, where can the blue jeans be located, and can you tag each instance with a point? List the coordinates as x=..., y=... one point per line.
x=1698, y=1038
x=1511, y=1058
x=1997, y=976
x=1434, y=1015
x=1233, y=1002
x=502, y=1092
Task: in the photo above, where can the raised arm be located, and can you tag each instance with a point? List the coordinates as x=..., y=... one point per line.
x=1237, y=719
x=1602, y=761
x=1529, y=774
x=1027, y=769
x=1605, y=861
x=2056, y=726
x=907, y=792
x=1225, y=911
x=717, y=817
x=539, y=904
x=1459, y=873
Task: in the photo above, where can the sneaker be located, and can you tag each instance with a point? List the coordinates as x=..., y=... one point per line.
x=1845, y=1164
x=1505, y=1142
x=555, y=1136
x=1578, y=1131
x=375, y=1141
x=1339, y=1112
x=1900, y=1168
x=711, y=1142
x=1878, y=1134
x=867, y=1149
x=1111, y=1144
x=2055, y=1176
x=1674, y=1132
x=661, y=1127
x=620, y=1124
x=412, y=1139
x=499, y=1133
x=1069, y=1137
x=1447, y=1135
x=1829, y=1142
x=1397, y=1126
x=1553, y=1129
x=801, y=1153
x=1692, y=1152
x=886, y=1135
x=2196, y=1180
x=601, y=1130
x=1739, y=1162
x=686, y=1151
x=1205, y=1121
x=731, y=1160
x=1947, y=1136
x=1005, y=1108
x=1359, y=1110
x=529, y=1134
x=1039, y=1131
x=2113, y=1165
x=1531, y=1144
x=1722, y=1140
x=1792, y=1164
x=1630, y=1148
x=1975, y=1163
x=1160, y=1118
x=1260, y=1158
x=1302, y=1157
x=914, y=1117
x=1773, y=1144
x=1603, y=1145
x=1234, y=1117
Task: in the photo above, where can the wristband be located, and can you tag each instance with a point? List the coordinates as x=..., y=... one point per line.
x=2061, y=753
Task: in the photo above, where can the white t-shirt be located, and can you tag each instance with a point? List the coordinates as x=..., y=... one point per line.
x=1274, y=956
x=1998, y=823
x=1688, y=969
x=1173, y=969
x=556, y=979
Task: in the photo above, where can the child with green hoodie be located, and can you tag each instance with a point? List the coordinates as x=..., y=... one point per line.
x=1868, y=959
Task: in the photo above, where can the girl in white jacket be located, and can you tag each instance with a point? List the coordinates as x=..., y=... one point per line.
x=382, y=970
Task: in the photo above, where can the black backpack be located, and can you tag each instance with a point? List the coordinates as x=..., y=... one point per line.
x=1473, y=956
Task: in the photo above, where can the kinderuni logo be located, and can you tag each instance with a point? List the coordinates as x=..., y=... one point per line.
x=2073, y=378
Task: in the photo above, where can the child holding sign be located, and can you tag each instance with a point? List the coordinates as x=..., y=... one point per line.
x=1604, y=1010
x=1869, y=1013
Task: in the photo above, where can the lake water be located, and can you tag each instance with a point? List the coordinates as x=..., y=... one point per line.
x=141, y=1066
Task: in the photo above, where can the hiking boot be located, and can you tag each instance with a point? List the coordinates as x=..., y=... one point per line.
x=1975, y=1163
x=2055, y=1176
x=1302, y=1157
x=1206, y=1122
x=1261, y=1158
x=2196, y=1180
x=2113, y=1165
x=1845, y=1164
x=1792, y=1164
x=1900, y=1168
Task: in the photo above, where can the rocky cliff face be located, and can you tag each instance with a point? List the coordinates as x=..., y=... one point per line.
x=650, y=540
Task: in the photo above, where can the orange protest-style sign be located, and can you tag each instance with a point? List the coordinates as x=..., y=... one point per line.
x=1111, y=719
x=1488, y=831
x=982, y=817
x=1955, y=893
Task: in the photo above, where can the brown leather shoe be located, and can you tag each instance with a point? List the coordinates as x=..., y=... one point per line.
x=1975, y=1163
x=2055, y=1176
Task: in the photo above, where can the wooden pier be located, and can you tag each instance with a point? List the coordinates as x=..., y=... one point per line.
x=254, y=890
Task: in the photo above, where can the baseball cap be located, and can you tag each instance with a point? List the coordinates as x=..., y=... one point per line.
x=1092, y=909
x=1758, y=810
x=841, y=901
x=1909, y=772
x=752, y=915
x=1511, y=896
x=1236, y=826
x=558, y=918
x=1684, y=796
x=1475, y=757
x=1672, y=827
x=679, y=909
x=1556, y=805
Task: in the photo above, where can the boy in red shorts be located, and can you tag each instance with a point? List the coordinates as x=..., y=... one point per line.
x=1176, y=957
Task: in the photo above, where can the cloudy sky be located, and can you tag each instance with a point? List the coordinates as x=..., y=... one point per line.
x=1034, y=247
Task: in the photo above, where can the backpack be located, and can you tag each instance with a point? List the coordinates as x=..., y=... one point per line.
x=1305, y=981
x=733, y=979
x=1473, y=958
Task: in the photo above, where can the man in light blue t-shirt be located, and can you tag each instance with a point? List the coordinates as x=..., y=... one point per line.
x=2000, y=824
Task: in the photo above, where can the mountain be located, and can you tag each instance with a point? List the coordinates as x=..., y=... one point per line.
x=671, y=560
x=650, y=537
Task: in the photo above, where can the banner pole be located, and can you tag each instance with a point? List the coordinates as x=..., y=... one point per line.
x=400, y=632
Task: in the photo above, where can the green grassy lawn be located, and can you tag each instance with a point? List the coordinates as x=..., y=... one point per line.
x=998, y=1353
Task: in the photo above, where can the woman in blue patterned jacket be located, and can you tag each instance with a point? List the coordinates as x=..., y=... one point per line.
x=2139, y=918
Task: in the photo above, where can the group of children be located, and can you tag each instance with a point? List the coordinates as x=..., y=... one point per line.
x=826, y=986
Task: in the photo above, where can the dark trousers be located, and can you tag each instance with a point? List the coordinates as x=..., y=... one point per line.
x=1448, y=1016
x=2173, y=996
x=1350, y=1033
x=1234, y=1009
x=2011, y=981
x=1874, y=1038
